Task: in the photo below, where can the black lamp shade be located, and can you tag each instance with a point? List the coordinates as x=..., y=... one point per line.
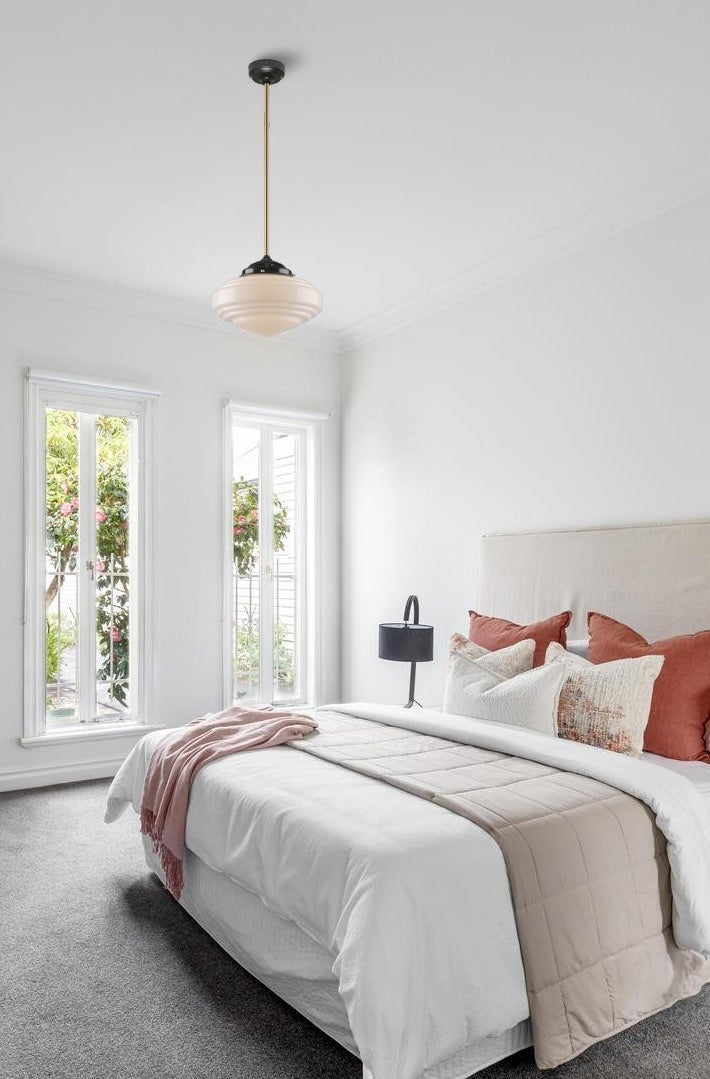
x=407, y=642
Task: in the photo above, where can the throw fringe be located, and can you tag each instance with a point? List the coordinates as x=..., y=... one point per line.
x=172, y=865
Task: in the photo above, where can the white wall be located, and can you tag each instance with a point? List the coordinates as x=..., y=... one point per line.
x=195, y=368
x=576, y=395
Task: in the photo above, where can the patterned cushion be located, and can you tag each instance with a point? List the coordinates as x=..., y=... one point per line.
x=501, y=686
x=605, y=704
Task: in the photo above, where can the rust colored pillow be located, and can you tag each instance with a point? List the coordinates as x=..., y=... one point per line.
x=495, y=633
x=680, y=707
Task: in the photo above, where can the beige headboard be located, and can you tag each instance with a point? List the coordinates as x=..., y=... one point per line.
x=655, y=578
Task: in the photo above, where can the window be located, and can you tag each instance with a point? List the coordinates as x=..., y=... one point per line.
x=270, y=541
x=87, y=611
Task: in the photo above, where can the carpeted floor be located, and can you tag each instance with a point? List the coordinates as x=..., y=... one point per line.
x=103, y=976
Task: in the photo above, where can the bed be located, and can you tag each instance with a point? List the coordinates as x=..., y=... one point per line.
x=383, y=918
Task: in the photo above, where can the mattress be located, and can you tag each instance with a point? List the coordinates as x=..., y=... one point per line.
x=295, y=967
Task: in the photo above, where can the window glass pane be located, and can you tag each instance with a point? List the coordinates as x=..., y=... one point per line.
x=112, y=565
x=286, y=593
x=245, y=566
x=61, y=557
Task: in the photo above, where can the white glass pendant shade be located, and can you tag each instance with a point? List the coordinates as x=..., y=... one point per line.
x=267, y=304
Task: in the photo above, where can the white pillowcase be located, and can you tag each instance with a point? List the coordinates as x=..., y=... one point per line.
x=501, y=687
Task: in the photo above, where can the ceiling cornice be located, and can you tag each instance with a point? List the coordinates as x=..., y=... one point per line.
x=637, y=206
x=48, y=284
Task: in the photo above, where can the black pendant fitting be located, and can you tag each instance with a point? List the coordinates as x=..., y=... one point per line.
x=266, y=265
x=266, y=71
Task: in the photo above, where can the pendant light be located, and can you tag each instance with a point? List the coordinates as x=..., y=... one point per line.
x=266, y=299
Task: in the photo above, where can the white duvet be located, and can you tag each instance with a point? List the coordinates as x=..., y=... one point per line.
x=411, y=900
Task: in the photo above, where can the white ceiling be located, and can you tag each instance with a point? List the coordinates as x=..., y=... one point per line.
x=412, y=142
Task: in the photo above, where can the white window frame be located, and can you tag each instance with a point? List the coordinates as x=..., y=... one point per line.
x=49, y=389
x=308, y=423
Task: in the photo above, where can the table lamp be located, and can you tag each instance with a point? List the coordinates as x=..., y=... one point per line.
x=407, y=642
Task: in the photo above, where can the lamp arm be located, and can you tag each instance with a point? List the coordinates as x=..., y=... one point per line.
x=407, y=608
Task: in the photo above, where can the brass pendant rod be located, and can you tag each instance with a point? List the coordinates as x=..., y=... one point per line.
x=266, y=168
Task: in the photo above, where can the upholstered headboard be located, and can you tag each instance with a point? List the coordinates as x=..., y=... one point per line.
x=655, y=578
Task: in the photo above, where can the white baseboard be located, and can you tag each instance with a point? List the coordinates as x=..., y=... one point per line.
x=49, y=775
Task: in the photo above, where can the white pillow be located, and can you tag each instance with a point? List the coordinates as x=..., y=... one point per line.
x=605, y=704
x=500, y=686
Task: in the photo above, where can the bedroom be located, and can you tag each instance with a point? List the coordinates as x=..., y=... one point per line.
x=506, y=208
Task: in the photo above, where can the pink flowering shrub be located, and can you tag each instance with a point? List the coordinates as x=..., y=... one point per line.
x=245, y=529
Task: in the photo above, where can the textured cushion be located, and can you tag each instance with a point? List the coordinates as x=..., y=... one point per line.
x=495, y=633
x=501, y=687
x=607, y=704
x=680, y=708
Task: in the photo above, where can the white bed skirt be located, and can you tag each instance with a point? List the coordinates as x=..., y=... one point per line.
x=295, y=967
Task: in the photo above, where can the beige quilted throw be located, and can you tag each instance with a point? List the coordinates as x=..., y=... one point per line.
x=588, y=869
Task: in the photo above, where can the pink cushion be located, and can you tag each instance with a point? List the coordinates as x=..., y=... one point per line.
x=495, y=633
x=680, y=707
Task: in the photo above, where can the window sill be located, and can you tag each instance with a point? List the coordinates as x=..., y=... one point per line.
x=87, y=734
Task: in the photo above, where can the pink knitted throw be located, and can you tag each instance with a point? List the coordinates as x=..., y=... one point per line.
x=177, y=759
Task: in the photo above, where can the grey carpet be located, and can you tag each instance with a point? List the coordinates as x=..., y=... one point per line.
x=103, y=975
